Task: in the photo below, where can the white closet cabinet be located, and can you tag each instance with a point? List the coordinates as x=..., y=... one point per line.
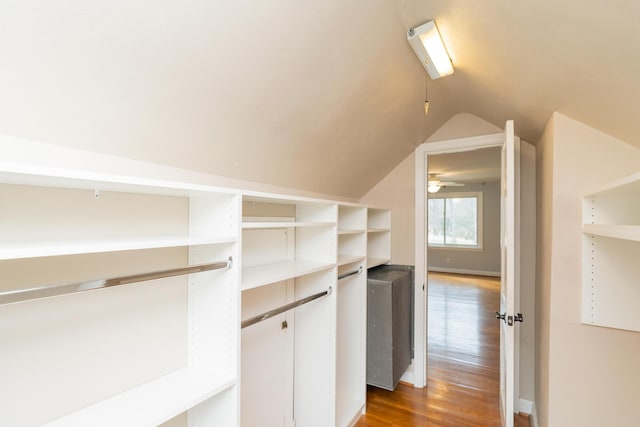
x=611, y=249
x=379, y=237
x=307, y=366
x=170, y=350
x=138, y=354
x=288, y=361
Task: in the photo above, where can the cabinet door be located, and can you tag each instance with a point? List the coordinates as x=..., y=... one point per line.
x=267, y=365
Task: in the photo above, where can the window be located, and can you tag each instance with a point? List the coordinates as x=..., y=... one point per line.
x=455, y=220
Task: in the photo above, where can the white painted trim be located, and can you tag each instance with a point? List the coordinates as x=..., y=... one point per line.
x=420, y=308
x=465, y=271
x=462, y=144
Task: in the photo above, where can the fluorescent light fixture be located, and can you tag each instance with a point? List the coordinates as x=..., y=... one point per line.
x=427, y=43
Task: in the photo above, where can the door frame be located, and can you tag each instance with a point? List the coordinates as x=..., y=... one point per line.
x=422, y=154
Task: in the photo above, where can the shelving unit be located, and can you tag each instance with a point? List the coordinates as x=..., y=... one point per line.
x=289, y=252
x=167, y=351
x=139, y=354
x=282, y=247
x=611, y=244
x=379, y=237
x=351, y=322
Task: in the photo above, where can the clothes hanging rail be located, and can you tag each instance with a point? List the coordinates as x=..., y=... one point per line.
x=266, y=315
x=10, y=297
x=351, y=273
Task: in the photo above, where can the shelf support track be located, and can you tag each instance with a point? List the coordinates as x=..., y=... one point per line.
x=20, y=295
x=268, y=314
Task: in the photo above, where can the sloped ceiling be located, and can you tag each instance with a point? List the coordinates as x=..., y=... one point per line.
x=323, y=96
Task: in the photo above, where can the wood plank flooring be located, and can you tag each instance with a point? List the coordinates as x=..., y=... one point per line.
x=464, y=356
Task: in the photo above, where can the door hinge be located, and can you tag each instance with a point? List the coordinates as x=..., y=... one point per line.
x=519, y=317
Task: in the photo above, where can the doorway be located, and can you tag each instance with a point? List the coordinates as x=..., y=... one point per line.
x=424, y=154
x=463, y=207
x=517, y=263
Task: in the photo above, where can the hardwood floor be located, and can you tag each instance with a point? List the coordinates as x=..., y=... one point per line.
x=464, y=356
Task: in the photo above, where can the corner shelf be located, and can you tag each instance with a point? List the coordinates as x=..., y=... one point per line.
x=611, y=246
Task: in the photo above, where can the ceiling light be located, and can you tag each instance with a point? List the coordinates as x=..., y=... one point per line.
x=427, y=43
x=433, y=187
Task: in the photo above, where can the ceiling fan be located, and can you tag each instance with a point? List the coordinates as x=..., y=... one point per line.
x=434, y=184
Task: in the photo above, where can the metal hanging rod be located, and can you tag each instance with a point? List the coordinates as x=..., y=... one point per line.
x=286, y=307
x=351, y=273
x=71, y=288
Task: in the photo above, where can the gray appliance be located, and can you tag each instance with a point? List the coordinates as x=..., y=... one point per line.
x=389, y=324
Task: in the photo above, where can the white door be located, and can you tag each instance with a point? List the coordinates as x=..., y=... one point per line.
x=509, y=273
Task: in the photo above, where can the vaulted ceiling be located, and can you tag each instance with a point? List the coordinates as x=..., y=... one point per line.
x=324, y=96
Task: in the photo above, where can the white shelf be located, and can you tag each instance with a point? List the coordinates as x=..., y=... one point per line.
x=627, y=232
x=378, y=230
x=374, y=262
x=23, y=174
x=629, y=186
x=611, y=228
x=342, y=232
x=151, y=403
x=253, y=277
x=284, y=224
x=348, y=259
x=18, y=250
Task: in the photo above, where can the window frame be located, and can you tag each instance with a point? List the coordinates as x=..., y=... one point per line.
x=478, y=195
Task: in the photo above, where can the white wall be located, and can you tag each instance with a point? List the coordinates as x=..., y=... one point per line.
x=592, y=373
x=486, y=260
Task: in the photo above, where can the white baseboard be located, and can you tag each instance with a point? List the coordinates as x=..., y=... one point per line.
x=464, y=271
x=528, y=407
x=525, y=406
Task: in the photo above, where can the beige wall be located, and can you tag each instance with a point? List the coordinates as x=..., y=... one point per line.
x=397, y=189
x=45, y=155
x=593, y=375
